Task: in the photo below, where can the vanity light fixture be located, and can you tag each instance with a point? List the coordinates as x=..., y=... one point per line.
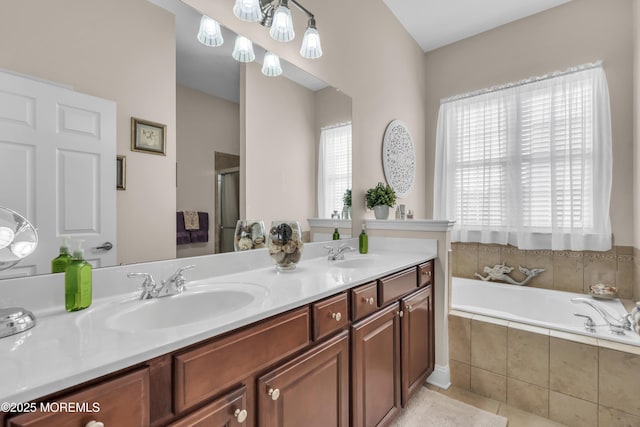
x=243, y=50
x=311, y=47
x=271, y=65
x=248, y=10
x=282, y=26
x=209, y=33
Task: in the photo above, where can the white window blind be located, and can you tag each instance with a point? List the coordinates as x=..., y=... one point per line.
x=528, y=164
x=334, y=168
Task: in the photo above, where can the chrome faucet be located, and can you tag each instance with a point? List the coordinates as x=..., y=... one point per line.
x=175, y=283
x=616, y=326
x=338, y=254
x=171, y=286
x=148, y=286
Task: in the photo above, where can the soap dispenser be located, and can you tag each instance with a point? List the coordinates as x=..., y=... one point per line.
x=77, y=282
x=363, y=240
x=60, y=263
x=336, y=234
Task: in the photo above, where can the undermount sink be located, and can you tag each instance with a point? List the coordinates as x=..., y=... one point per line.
x=196, y=304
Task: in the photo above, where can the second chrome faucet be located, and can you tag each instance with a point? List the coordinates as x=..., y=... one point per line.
x=173, y=285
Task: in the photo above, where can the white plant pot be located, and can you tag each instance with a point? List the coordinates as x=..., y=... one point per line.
x=381, y=212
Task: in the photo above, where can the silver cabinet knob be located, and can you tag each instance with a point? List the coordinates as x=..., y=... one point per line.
x=401, y=313
x=274, y=393
x=240, y=415
x=94, y=424
x=336, y=316
x=369, y=300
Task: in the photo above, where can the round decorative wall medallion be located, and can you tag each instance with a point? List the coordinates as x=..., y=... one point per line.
x=398, y=158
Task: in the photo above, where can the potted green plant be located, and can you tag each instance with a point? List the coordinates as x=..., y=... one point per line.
x=380, y=198
x=346, y=199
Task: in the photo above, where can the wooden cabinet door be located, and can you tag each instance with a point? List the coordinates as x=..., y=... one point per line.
x=417, y=340
x=229, y=410
x=375, y=368
x=122, y=401
x=311, y=391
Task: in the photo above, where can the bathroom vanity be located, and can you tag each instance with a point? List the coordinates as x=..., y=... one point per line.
x=352, y=356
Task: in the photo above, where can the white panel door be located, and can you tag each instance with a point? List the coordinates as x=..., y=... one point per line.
x=57, y=168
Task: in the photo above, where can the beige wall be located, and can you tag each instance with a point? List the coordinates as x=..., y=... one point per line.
x=636, y=143
x=279, y=149
x=101, y=48
x=204, y=124
x=576, y=33
x=382, y=71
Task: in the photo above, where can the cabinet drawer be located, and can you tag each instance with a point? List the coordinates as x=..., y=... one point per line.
x=396, y=285
x=330, y=315
x=425, y=274
x=123, y=402
x=364, y=300
x=207, y=370
x=229, y=410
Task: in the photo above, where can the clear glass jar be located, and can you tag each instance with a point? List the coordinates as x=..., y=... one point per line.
x=249, y=234
x=285, y=244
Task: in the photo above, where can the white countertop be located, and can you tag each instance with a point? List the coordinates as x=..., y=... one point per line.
x=66, y=349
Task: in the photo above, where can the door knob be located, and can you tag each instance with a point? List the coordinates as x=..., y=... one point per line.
x=107, y=246
x=336, y=316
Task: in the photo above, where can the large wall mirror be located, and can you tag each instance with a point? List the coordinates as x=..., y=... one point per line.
x=143, y=55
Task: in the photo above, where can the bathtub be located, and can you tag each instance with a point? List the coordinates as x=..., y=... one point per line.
x=534, y=306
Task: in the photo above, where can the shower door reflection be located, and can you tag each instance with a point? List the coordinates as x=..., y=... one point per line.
x=228, y=209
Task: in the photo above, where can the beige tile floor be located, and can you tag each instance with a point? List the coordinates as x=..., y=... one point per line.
x=516, y=417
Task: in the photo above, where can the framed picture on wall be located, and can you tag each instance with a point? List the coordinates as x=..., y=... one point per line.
x=121, y=172
x=148, y=137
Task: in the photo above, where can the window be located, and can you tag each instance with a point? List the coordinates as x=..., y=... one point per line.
x=529, y=164
x=334, y=168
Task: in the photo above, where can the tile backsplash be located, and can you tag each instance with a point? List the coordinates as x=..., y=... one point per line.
x=572, y=271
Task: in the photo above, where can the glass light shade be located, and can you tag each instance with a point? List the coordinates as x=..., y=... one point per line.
x=243, y=50
x=247, y=10
x=311, y=47
x=282, y=26
x=271, y=65
x=209, y=33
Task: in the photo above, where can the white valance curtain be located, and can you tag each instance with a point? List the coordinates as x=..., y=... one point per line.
x=334, y=168
x=528, y=164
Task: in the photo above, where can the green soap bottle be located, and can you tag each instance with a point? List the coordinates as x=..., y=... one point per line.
x=336, y=234
x=60, y=263
x=363, y=240
x=77, y=282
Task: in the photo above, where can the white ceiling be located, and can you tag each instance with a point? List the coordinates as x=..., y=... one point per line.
x=436, y=23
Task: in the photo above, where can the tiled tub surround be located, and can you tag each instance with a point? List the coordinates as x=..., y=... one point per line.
x=573, y=379
x=66, y=349
x=564, y=270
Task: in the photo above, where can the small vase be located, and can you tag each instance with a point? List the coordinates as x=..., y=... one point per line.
x=285, y=244
x=346, y=212
x=381, y=212
x=249, y=235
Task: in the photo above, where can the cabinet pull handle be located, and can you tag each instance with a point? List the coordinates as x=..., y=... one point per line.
x=336, y=316
x=274, y=393
x=94, y=424
x=401, y=313
x=240, y=415
x=369, y=300
x=429, y=273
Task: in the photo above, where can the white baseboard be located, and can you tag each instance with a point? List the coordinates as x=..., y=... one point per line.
x=440, y=377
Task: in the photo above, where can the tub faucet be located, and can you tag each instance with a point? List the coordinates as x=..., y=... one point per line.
x=338, y=254
x=616, y=326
